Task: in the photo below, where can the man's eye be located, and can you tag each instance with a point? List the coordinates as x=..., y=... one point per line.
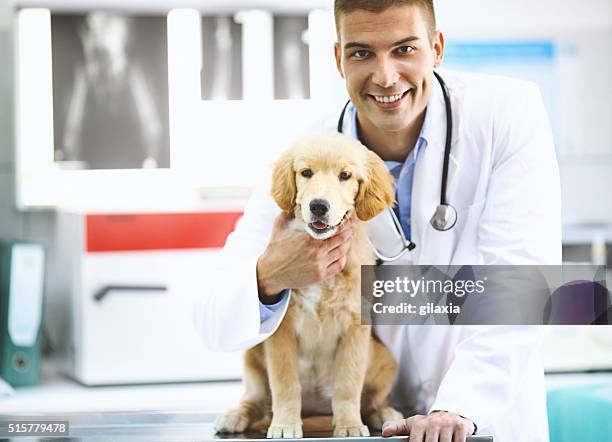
x=405, y=49
x=306, y=173
x=361, y=53
x=344, y=176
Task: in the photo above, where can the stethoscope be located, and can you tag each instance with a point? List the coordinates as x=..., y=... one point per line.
x=445, y=215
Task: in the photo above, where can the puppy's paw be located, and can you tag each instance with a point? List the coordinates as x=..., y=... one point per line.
x=291, y=431
x=232, y=422
x=377, y=418
x=354, y=431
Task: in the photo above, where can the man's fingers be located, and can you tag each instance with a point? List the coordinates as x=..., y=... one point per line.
x=432, y=434
x=399, y=427
x=463, y=430
x=432, y=428
x=461, y=435
x=446, y=435
x=336, y=267
x=337, y=239
x=339, y=251
x=347, y=224
x=282, y=220
x=417, y=430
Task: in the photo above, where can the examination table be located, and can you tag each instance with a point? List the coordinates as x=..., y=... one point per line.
x=170, y=426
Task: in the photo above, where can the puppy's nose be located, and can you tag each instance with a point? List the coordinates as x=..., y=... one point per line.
x=319, y=207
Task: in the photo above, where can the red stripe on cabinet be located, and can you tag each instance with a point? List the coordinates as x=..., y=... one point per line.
x=160, y=231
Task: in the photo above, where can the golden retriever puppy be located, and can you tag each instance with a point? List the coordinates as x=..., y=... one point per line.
x=321, y=360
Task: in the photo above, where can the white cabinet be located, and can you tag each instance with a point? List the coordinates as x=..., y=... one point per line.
x=134, y=281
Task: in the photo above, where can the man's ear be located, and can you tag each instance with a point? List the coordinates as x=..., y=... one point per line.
x=338, y=55
x=376, y=191
x=283, y=183
x=438, y=47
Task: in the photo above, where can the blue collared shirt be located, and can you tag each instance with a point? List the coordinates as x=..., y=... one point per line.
x=402, y=172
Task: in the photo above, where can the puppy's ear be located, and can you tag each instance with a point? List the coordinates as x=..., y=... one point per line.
x=283, y=183
x=376, y=191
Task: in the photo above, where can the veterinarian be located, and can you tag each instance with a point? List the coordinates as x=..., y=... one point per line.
x=503, y=192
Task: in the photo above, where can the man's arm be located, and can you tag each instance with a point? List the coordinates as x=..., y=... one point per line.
x=521, y=220
x=520, y=225
x=227, y=314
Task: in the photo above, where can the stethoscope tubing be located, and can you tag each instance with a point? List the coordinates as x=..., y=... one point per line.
x=448, y=140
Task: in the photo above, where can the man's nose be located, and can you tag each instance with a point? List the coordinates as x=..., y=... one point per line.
x=319, y=207
x=385, y=74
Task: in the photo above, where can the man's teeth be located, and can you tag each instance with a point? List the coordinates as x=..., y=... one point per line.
x=387, y=98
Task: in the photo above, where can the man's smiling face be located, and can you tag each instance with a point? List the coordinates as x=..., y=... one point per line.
x=387, y=60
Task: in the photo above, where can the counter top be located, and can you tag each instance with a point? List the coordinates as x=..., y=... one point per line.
x=172, y=426
x=58, y=393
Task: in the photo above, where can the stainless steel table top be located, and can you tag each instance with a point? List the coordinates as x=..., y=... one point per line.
x=161, y=426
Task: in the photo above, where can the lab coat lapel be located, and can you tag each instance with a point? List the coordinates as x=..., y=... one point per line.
x=433, y=247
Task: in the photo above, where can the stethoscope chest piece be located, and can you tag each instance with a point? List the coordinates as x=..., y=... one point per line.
x=444, y=218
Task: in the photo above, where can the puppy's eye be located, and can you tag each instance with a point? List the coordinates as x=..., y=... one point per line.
x=344, y=176
x=306, y=173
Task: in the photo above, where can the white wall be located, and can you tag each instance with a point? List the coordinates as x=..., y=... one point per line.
x=8, y=217
x=164, y=5
x=5, y=13
x=584, y=28
x=475, y=17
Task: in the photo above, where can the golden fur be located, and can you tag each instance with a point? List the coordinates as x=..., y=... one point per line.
x=321, y=360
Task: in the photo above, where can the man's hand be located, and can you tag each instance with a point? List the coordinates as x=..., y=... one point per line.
x=295, y=259
x=442, y=426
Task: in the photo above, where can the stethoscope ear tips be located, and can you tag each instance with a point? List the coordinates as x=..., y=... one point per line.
x=444, y=218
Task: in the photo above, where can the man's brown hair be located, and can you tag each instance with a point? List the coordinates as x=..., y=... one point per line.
x=347, y=6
